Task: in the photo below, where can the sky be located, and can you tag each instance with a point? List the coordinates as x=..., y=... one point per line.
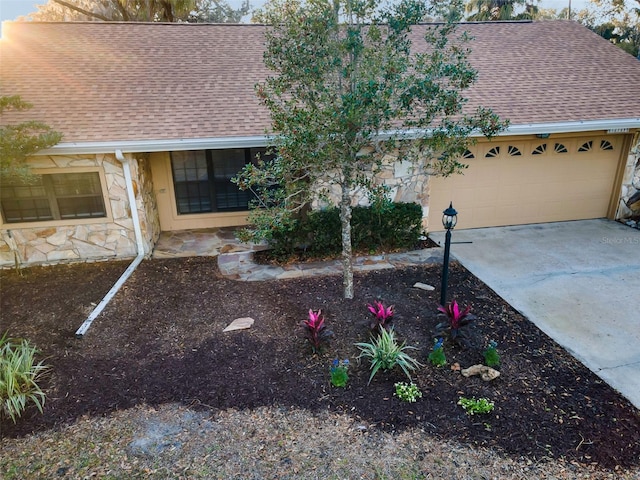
x=11, y=9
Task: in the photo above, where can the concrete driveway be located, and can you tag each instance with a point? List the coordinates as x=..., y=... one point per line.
x=579, y=282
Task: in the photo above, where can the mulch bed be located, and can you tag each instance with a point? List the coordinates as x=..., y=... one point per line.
x=160, y=340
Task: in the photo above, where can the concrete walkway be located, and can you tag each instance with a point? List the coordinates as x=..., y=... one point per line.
x=579, y=282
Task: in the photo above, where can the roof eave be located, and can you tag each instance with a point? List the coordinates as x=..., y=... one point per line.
x=139, y=146
x=622, y=125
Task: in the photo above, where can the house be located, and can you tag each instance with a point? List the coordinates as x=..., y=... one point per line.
x=164, y=115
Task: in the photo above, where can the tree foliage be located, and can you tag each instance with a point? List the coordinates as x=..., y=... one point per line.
x=346, y=87
x=616, y=20
x=491, y=10
x=202, y=11
x=18, y=141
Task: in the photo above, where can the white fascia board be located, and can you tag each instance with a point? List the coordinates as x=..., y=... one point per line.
x=140, y=146
x=572, y=127
x=537, y=128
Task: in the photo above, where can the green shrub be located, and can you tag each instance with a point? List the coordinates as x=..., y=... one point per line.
x=437, y=356
x=396, y=225
x=491, y=355
x=385, y=353
x=18, y=375
x=318, y=233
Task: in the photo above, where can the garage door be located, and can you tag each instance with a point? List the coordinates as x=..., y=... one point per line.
x=514, y=183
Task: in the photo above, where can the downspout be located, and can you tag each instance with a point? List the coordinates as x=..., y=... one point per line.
x=126, y=167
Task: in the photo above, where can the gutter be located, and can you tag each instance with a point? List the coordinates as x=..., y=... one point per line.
x=149, y=146
x=126, y=166
x=622, y=125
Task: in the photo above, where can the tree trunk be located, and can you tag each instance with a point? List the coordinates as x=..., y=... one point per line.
x=347, y=261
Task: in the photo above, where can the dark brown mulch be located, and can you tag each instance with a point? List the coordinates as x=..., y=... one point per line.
x=301, y=255
x=161, y=340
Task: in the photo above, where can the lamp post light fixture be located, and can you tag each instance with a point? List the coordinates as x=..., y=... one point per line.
x=449, y=220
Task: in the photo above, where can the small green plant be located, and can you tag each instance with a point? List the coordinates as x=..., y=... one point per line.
x=385, y=353
x=382, y=316
x=407, y=392
x=437, y=356
x=491, y=355
x=338, y=371
x=315, y=330
x=473, y=405
x=18, y=375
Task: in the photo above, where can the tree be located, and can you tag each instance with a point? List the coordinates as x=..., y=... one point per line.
x=490, y=10
x=218, y=11
x=346, y=86
x=616, y=20
x=18, y=141
x=211, y=11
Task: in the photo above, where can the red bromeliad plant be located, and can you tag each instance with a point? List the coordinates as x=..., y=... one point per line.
x=456, y=319
x=316, y=331
x=382, y=316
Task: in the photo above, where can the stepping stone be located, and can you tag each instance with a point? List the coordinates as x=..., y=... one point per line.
x=239, y=324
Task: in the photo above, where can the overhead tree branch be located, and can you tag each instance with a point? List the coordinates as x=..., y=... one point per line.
x=82, y=10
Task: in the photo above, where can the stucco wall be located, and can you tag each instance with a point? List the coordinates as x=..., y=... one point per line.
x=79, y=240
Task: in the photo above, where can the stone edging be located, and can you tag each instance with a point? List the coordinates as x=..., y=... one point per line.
x=240, y=265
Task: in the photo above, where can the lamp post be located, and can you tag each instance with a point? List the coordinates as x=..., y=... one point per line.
x=449, y=220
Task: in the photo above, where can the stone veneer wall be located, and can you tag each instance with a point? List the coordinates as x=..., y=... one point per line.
x=41, y=244
x=406, y=182
x=631, y=180
x=146, y=200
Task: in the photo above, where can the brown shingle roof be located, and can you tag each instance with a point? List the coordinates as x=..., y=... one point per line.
x=136, y=81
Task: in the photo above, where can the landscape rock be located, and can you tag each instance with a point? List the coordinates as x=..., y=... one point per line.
x=424, y=286
x=239, y=324
x=486, y=373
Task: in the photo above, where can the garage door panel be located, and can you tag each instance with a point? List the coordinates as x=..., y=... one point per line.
x=485, y=197
x=528, y=188
x=466, y=197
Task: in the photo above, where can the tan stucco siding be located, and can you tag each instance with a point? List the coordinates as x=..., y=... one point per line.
x=166, y=201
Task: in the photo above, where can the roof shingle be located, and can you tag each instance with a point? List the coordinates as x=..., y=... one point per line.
x=100, y=82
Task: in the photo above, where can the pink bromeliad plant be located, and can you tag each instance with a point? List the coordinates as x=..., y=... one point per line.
x=316, y=331
x=456, y=319
x=382, y=316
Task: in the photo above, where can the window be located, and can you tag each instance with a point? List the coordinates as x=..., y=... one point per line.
x=59, y=196
x=606, y=145
x=202, y=179
x=494, y=152
x=586, y=147
x=468, y=155
x=514, y=151
x=540, y=149
x=560, y=148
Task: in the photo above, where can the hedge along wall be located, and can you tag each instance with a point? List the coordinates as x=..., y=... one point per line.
x=407, y=183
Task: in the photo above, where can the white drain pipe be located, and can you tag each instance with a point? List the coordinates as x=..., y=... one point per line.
x=126, y=166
